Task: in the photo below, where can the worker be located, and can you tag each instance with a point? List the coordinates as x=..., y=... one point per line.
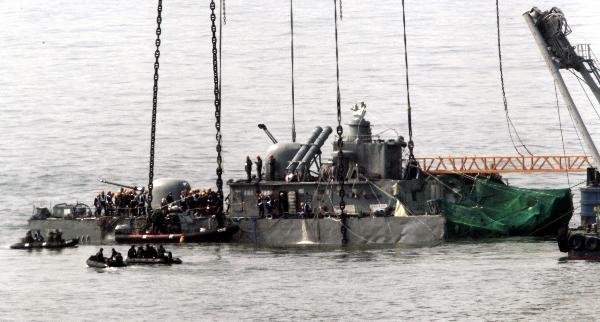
x=271, y=167
x=259, y=167
x=142, y=203
x=248, y=168
x=131, y=253
x=260, y=205
x=97, y=205
x=183, y=200
x=102, y=203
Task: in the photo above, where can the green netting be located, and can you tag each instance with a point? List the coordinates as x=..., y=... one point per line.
x=493, y=209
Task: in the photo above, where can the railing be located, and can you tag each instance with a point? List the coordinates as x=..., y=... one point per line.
x=505, y=164
x=585, y=51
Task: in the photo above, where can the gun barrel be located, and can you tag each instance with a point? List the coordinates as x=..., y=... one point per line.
x=120, y=185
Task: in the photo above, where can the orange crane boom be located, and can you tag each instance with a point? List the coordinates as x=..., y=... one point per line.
x=505, y=164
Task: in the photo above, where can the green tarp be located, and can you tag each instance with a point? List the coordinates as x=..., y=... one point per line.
x=494, y=209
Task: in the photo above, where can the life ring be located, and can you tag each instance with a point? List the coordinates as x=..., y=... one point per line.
x=592, y=243
x=577, y=241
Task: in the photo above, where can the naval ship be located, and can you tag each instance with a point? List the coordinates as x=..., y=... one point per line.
x=367, y=193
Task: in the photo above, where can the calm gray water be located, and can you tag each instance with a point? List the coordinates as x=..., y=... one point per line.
x=75, y=101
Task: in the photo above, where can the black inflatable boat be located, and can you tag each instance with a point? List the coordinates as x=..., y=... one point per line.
x=153, y=261
x=93, y=262
x=47, y=245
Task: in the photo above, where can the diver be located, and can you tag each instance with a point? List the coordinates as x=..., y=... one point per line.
x=51, y=237
x=259, y=168
x=118, y=258
x=58, y=238
x=28, y=237
x=131, y=253
x=161, y=251
x=99, y=257
x=150, y=251
x=113, y=254
x=38, y=236
x=140, y=252
x=248, y=169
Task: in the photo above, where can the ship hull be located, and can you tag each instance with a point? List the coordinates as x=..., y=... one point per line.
x=410, y=231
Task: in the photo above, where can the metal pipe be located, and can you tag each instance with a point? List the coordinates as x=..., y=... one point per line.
x=543, y=47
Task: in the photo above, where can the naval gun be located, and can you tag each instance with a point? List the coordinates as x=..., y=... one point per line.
x=264, y=128
x=134, y=188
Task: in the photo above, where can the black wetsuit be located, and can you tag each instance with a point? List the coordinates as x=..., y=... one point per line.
x=131, y=253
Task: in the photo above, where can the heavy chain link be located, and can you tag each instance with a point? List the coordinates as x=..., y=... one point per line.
x=154, y=103
x=341, y=175
x=217, y=93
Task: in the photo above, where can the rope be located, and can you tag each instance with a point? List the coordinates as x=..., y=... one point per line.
x=509, y=122
x=585, y=92
x=577, y=133
x=292, y=57
x=562, y=138
x=154, y=104
x=410, y=132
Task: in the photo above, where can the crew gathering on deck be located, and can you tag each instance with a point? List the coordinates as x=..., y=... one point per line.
x=128, y=203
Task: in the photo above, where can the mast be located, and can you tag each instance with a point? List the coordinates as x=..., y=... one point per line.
x=549, y=29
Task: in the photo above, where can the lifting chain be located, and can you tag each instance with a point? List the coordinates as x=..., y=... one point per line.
x=217, y=93
x=154, y=104
x=341, y=175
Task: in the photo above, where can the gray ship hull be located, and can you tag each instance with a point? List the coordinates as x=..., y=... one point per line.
x=413, y=231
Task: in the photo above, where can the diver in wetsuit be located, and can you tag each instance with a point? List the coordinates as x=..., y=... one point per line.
x=113, y=254
x=150, y=251
x=99, y=256
x=161, y=251
x=28, y=237
x=140, y=252
x=131, y=253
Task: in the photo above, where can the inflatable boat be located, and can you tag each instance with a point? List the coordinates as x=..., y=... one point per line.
x=47, y=245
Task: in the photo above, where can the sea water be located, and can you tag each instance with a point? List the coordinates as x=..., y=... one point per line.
x=75, y=105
